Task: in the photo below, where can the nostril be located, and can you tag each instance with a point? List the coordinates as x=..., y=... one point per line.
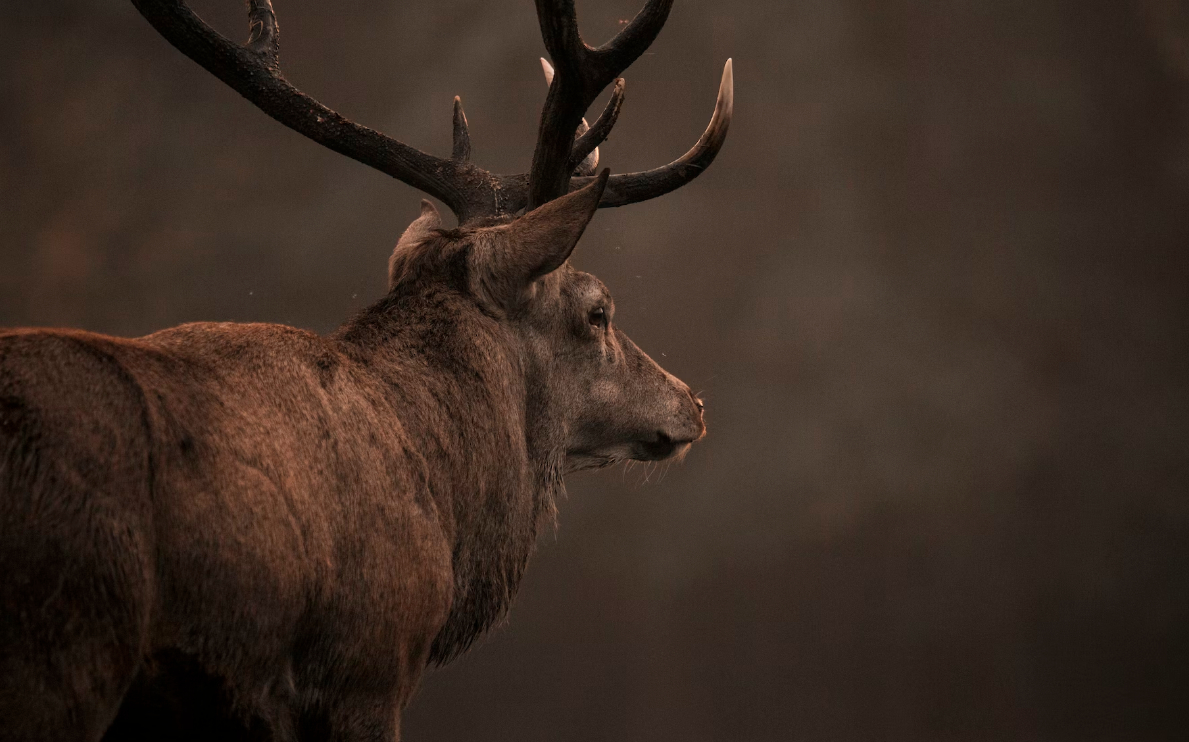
x=700, y=404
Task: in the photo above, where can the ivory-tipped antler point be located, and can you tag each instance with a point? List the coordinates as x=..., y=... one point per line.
x=462, y=133
x=727, y=87
x=724, y=107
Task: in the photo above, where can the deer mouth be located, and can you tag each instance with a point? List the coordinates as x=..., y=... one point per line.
x=661, y=447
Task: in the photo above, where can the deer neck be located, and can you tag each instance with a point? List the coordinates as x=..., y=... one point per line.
x=461, y=393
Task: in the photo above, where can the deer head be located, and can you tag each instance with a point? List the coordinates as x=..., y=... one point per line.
x=593, y=394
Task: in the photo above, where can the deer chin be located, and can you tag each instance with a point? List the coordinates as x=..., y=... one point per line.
x=659, y=447
x=600, y=458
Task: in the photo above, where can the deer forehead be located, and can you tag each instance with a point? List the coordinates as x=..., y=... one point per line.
x=584, y=290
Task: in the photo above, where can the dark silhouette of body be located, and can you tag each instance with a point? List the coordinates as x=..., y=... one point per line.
x=225, y=531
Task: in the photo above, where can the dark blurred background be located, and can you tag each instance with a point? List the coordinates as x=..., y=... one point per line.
x=934, y=290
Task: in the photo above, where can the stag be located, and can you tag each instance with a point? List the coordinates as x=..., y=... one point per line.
x=230, y=530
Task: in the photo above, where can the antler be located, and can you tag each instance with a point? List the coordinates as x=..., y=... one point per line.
x=584, y=159
x=630, y=188
x=253, y=70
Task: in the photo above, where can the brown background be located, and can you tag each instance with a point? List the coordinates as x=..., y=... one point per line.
x=934, y=290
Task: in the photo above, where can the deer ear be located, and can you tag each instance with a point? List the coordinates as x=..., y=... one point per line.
x=537, y=243
x=421, y=228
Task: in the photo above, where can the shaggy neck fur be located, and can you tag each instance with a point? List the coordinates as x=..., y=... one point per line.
x=464, y=398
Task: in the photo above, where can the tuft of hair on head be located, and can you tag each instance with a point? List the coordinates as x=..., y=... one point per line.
x=411, y=249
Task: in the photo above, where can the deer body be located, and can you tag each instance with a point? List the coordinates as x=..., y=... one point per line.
x=301, y=523
x=225, y=531
x=296, y=506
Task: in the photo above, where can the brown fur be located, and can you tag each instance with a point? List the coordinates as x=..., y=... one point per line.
x=226, y=530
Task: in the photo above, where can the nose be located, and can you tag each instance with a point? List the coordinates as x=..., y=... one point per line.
x=701, y=421
x=697, y=402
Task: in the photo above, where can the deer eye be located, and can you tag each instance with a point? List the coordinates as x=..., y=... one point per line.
x=598, y=317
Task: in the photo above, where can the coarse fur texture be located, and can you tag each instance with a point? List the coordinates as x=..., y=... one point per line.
x=250, y=531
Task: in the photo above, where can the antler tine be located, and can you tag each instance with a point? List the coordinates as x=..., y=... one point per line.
x=581, y=74
x=630, y=188
x=611, y=59
x=584, y=159
x=587, y=144
x=462, y=134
